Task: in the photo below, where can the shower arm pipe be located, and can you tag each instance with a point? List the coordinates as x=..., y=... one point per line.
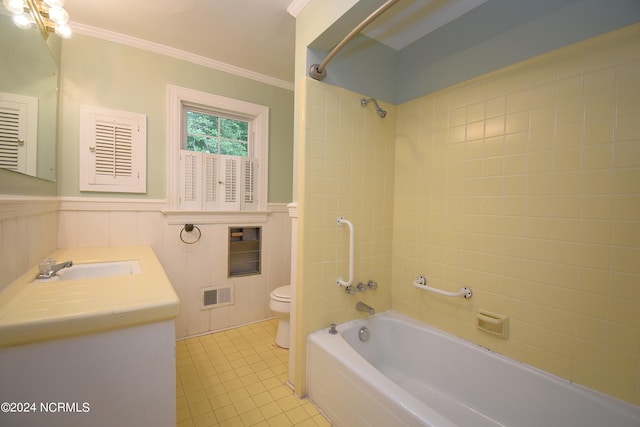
x=421, y=283
x=318, y=72
x=340, y=281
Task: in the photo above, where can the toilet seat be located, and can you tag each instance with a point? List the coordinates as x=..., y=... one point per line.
x=281, y=294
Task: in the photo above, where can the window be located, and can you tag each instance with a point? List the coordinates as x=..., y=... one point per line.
x=217, y=152
x=113, y=154
x=212, y=133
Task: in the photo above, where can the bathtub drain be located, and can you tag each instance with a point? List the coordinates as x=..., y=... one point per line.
x=364, y=334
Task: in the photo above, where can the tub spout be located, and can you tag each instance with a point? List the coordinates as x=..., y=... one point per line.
x=360, y=306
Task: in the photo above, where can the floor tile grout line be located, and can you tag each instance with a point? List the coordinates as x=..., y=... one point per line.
x=228, y=357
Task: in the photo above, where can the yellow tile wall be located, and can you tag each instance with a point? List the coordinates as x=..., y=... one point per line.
x=345, y=169
x=524, y=185
x=349, y=173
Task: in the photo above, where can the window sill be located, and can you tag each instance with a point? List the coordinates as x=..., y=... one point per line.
x=215, y=217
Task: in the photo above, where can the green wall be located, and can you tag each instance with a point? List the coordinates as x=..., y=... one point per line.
x=17, y=184
x=110, y=75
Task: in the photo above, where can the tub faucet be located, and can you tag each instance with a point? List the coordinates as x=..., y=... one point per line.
x=360, y=306
x=53, y=270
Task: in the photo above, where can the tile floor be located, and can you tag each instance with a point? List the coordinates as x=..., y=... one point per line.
x=237, y=378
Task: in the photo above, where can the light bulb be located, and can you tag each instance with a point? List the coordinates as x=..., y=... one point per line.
x=22, y=20
x=58, y=15
x=14, y=6
x=64, y=31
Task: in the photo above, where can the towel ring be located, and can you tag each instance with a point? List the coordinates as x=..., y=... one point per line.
x=189, y=228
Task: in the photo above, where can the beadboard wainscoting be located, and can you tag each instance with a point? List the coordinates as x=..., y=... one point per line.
x=28, y=233
x=190, y=267
x=32, y=228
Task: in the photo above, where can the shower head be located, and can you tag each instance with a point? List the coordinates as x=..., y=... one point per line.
x=382, y=113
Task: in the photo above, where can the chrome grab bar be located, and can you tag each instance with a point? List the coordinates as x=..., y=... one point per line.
x=421, y=283
x=340, y=281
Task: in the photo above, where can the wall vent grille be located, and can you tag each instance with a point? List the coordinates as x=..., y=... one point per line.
x=217, y=296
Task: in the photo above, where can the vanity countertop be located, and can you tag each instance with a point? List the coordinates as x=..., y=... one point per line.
x=33, y=311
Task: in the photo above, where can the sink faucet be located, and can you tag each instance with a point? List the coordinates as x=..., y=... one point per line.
x=360, y=306
x=54, y=269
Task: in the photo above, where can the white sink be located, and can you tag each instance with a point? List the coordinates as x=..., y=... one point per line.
x=95, y=270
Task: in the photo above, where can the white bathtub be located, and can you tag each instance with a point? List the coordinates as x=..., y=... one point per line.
x=411, y=374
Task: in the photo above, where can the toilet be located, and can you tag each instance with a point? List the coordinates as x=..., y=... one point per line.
x=280, y=304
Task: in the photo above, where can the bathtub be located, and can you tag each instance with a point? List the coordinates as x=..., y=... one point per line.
x=410, y=374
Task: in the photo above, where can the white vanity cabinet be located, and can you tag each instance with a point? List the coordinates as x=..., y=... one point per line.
x=90, y=352
x=122, y=377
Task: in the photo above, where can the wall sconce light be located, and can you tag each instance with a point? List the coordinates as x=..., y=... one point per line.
x=48, y=15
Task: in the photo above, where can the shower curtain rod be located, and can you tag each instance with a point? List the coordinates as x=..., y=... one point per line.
x=319, y=72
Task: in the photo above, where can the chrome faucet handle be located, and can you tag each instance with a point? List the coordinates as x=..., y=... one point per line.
x=349, y=290
x=46, y=265
x=361, y=287
x=372, y=285
x=51, y=268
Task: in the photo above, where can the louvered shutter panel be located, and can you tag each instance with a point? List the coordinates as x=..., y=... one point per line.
x=210, y=181
x=18, y=132
x=249, y=177
x=11, y=135
x=112, y=150
x=191, y=182
x=232, y=177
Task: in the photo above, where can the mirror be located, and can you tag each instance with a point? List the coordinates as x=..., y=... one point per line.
x=29, y=79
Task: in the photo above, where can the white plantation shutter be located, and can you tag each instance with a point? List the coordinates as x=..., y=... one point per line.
x=112, y=151
x=217, y=182
x=231, y=168
x=11, y=136
x=18, y=132
x=190, y=183
x=199, y=180
x=249, y=178
x=210, y=181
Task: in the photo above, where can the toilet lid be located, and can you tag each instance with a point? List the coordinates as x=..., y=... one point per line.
x=283, y=293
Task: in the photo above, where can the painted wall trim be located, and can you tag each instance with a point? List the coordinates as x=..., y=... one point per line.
x=201, y=217
x=223, y=217
x=182, y=55
x=19, y=206
x=111, y=204
x=293, y=210
x=143, y=205
x=278, y=207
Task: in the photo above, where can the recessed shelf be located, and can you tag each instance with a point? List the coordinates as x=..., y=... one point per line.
x=244, y=250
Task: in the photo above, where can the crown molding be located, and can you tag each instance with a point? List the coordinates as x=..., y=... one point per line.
x=161, y=49
x=296, y=7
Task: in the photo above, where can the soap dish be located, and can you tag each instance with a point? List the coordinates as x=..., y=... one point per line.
x=493, y=323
